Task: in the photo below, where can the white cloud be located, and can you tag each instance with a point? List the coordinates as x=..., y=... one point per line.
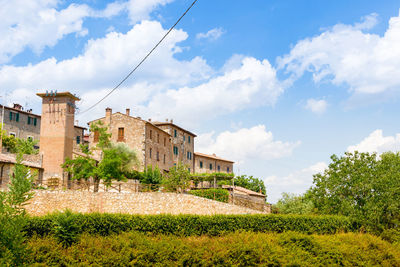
x=245, y=144
x=316, y=106
x=376, y=142
x=345, y=54
x=252, y=84
x=36, y=24
x=296, y=182
x=212, y=34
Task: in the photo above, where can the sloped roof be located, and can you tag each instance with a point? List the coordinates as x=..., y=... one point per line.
x=159, y=123
x=243, y=190
x=212, y=157
x=6, y=158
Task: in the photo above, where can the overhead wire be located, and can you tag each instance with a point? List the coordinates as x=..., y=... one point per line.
x=141, y=62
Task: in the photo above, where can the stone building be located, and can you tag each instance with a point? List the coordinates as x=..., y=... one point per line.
x=204, y=163
x=182, y=143
x=20, y=123
x=152, y=144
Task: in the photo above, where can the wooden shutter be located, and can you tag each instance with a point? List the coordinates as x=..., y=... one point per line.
x=120, y=134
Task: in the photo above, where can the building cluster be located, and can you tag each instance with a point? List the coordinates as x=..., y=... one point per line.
x=162, y=144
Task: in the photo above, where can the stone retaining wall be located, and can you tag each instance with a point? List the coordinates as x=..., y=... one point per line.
x=46, y=201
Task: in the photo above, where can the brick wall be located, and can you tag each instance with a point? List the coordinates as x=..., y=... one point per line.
x=46, y=201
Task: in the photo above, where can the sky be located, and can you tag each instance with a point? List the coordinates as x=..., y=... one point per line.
x=277, y=86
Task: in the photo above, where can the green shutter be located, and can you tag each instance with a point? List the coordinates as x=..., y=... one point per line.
x=35, y=121
x=11, y=116
x=29, y=120
x=17, y=117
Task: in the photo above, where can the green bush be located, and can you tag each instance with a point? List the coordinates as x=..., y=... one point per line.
x=217, y=194
x=188, y=225
x=236, y=249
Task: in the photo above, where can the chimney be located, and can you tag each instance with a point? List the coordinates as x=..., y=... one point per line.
x=108, y=115
x=128, y=112
x=166, y=120
x=172, y=121
x=76, y=122
x=150, y=120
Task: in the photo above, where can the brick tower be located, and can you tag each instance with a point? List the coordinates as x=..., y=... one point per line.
x=56, y=132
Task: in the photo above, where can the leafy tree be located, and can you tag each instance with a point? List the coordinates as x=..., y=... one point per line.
x=294, y=204
x=117, y=160
x=363, y=186
x=13, y=215
x=177, y=179
x=151, y=175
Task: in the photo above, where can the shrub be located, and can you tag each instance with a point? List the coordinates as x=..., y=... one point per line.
x=187, y=225
x=221, y=195
x=236, y=249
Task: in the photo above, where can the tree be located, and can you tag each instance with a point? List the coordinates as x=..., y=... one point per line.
x=294, y=204
x=117, y=160
x=363, y=186
x=13, y=215
x=177, y=179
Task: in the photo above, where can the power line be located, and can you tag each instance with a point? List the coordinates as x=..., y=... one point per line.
x=143, y=60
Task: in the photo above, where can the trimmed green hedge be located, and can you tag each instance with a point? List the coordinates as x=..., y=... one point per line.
x=186, y=225
x=217, y=194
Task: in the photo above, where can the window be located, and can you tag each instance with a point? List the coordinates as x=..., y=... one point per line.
x=219, y=168
x=183, y=137
x=158, y=156
x=158, y=138
x=96, y=136
x=121, y=133
x=201, y=165
x=151, y=134
x=176, y=151
x=14, y=116
x=164, y=159
x=189, y=155
x=150, y=152
x=175, y=133
x=30, y=120
x=227, y=169
x=189, y=139
x=210, y=166
x=34, y=121
x=78, y=139
x=165, y=141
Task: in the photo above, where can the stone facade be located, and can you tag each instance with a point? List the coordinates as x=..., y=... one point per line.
x=20, y=123
x=79, y=133
x=182, y=144
x=57, y=133
x=46, y=201
x=152, y=144
x=211, y=163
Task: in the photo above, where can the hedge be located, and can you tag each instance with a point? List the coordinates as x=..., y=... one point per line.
x=217, y=194
x=237, y=249
x=185, y=225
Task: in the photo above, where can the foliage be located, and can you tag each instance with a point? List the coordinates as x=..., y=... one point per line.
x=294, y=204
x=221, y=195
x=187, y=225
x=14, y=144
x=177, y=179
x=116, y=164
x=219, y=176
x=362, y=186
x=236, y=249
x=65, y=228
x=13, y=215
x=117, y=160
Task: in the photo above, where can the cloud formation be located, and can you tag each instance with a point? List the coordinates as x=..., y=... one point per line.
x=245, y=144
x=348, y=54
x=378, y=143
x=211, y=35
x=316, y=106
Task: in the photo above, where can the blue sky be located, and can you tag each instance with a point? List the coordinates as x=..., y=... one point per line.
x=277, y=86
